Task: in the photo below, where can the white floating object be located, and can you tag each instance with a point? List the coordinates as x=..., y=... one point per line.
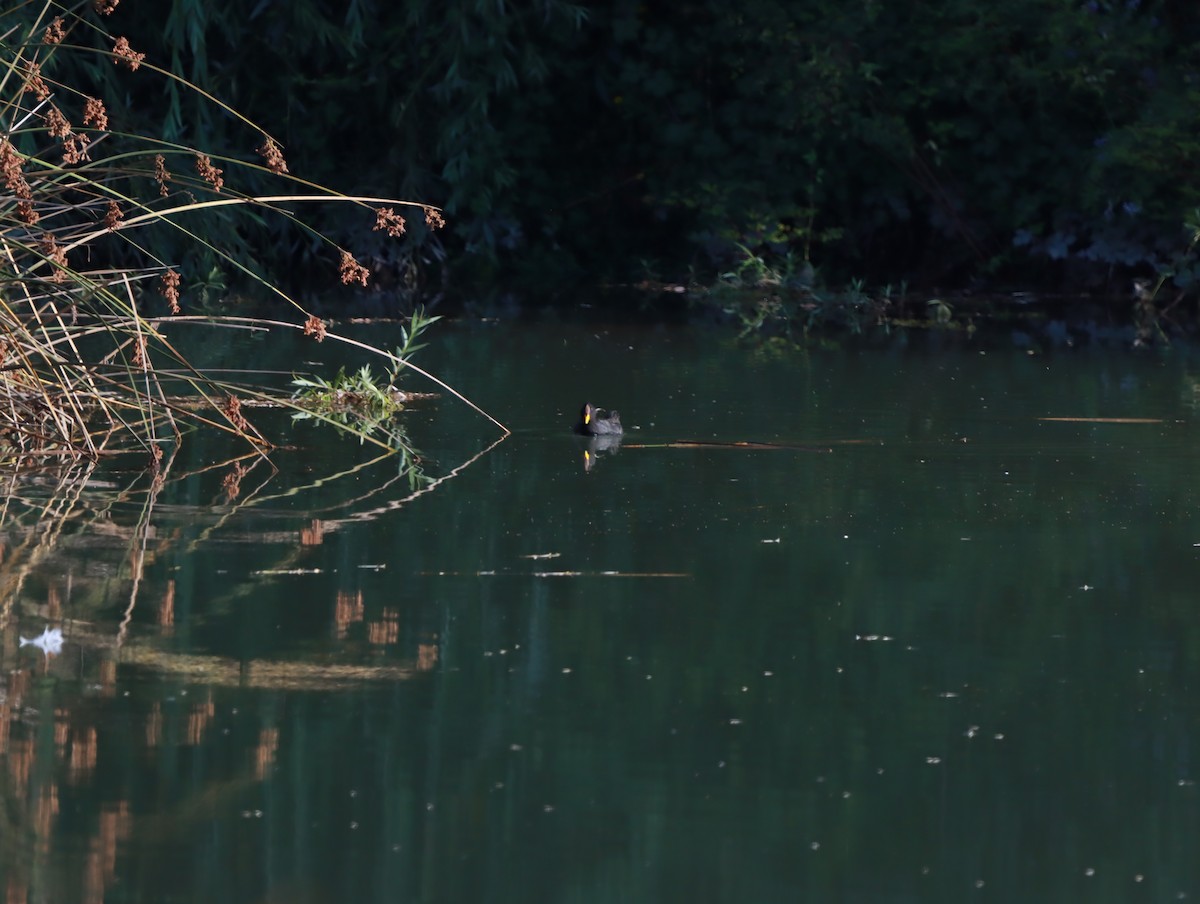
x=50, y=642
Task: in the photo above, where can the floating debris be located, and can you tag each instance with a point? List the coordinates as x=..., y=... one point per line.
x=1103, y=420
x=556, y=574
x=870, y=638
x=50, y=642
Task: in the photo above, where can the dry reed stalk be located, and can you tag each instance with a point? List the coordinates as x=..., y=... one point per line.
x=78, y=357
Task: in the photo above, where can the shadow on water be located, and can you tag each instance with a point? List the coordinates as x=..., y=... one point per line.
x=867, y=625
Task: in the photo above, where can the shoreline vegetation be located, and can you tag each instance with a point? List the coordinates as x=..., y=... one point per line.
x=786, y=300
x=88, y=367
x=1033, y=145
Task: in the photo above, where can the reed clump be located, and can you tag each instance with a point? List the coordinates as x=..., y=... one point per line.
x=86, y=365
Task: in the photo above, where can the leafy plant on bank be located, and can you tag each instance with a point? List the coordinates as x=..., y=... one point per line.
x=359, y=400
x=85, y=343
x=787, y=298
x=1153, y=314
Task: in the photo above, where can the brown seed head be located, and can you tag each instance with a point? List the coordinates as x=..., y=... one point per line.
x=273, y=155
x=139, y=353
x=170, y=290
x=433, y=218
x=387, y=219
x=161, y=176
x=126, y=54
x=94, y=114
x=233, y=410
x=105, y=7
x=314, y=327
x=56, y=255
x=351, y=271
x=34, y=82
x=113, y=217
x=54, y=32
x=56, y=123
x=26, y=214
x=10, y=170
x=75, y=149
x=208, y=172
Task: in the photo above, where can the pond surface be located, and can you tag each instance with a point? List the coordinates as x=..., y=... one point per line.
x=828, y=626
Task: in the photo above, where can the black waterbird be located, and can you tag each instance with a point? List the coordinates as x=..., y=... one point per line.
x=591, y=424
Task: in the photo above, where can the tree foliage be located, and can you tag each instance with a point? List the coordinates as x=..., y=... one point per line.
x=931, y=141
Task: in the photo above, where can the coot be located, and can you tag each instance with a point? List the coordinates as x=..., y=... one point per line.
x=591, y=424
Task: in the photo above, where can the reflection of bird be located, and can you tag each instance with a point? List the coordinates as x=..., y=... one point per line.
x=591, y=424
x=609, y=444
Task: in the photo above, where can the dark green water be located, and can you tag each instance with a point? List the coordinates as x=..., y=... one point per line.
x=931, y=647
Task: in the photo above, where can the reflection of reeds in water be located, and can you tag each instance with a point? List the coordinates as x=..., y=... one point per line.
x=73, y=520
x=220, y=671
x=115, y=825
x=38, y=507
x=386, y=630
x=264, y=753
x=347, y=610
x=199, y=717
x=83, y=754
x=52, y=522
